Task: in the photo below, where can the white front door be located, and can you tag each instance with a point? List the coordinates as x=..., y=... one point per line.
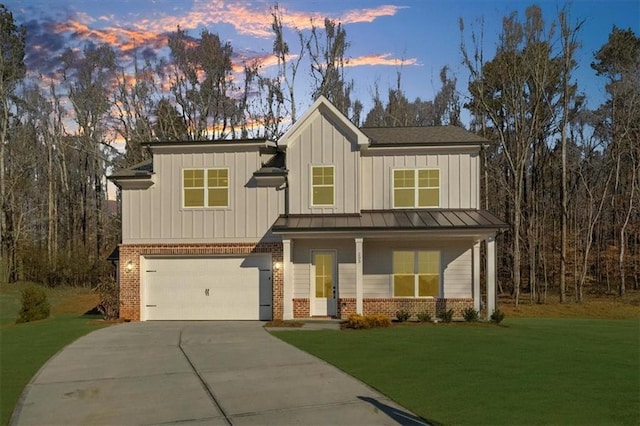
x=323, y=283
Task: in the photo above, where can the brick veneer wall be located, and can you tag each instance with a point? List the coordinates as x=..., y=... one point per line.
x=346, y=307
x=301, y=308
x=130, y=280
x=389, y=306
x=434, y=306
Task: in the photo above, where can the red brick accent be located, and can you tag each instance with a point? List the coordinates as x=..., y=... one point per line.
x=301, y=308
x=434, y=306
x=130, y=279
x=346, y=307
x=389, y=306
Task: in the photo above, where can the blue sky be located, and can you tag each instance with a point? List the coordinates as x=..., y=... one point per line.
x=422, y=35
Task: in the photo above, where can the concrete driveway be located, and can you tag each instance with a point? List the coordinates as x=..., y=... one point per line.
x=214, y=373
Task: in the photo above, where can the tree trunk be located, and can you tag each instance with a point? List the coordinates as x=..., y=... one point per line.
x=623, y=243
x=563, y=223
x=517, y=218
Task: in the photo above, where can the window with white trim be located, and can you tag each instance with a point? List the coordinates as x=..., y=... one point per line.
x=414, y=188
x=416, y=273
x=322, y=186
x=205, y=187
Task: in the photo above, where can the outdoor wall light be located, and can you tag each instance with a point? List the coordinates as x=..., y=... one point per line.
x=277, y=265
x=129, y=266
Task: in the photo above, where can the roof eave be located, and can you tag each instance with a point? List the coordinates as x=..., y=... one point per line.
x=132, y=182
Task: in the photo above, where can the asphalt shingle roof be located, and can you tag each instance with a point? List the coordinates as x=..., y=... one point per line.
x=433, y=135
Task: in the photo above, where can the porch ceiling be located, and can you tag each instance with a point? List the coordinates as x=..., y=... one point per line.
x=469, y=221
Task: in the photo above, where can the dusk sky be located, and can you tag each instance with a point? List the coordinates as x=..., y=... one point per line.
x=421, y=35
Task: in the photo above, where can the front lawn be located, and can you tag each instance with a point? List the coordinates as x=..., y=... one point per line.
x=24, y=348
x=529, y=371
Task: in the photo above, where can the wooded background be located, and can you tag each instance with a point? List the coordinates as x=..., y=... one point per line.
x=563, y=176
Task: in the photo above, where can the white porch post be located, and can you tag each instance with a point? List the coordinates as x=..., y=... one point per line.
x=359, y=259
x=476, y=276
x=287, y=269
x=491, y=275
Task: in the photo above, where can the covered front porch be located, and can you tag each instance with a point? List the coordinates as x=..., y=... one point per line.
x=336, y=265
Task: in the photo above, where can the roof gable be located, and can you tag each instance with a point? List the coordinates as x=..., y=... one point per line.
x=323, y=106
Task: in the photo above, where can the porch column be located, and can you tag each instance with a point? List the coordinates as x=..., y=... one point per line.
x=476, y=276
x=491, y=275
x=359, y=275
x=287, y=269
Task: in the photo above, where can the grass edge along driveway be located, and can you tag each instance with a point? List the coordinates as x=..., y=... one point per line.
x=24, y=349
x=529, y=371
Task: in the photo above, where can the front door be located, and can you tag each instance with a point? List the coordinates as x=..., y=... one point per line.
x=323, y=283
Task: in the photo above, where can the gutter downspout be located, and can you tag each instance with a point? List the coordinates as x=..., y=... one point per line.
x=286, y=194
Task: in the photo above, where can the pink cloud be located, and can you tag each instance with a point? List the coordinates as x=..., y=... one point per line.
x=126, y=39
x=368, y=15
x=252, y=21
x=380, y=59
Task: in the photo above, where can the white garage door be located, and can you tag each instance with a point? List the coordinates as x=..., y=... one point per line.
x=207, y=288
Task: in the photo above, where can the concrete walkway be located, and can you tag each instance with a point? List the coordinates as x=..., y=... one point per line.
x=213, y=373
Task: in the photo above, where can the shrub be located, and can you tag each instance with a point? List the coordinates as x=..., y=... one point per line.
x=35, y=305
x=424, y=316
x=357, y=321
x=497, y=316
x=378, y=321
x=470, y=315
x=109, y=305
x=403, y=315
x=446, y=316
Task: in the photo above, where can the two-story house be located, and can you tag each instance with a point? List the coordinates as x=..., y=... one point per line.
x=331, y=220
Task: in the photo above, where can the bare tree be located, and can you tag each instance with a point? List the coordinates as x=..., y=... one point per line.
x=514, y=96
x=12, y=71
x=201, y=83
x=135, y=102
x=568, y=41
x=287, y=67
x=88, y=78
x=327, y=49
x=618, y=61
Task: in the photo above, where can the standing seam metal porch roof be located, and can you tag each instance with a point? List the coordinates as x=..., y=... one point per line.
x=389, y=220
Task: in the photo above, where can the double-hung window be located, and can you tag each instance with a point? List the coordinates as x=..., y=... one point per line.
x=415, y=188
x=205, y=187
x=416, y=273
x=322, y=186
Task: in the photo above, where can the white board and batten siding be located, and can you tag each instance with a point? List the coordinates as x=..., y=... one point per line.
x=156, y=214
x=301, y=256
x=455, y=261
x=459, y=177
x=319, y=143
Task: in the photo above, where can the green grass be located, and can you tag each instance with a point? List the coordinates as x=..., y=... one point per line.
x=10, y=297
x=24, y=348
x=529, y=371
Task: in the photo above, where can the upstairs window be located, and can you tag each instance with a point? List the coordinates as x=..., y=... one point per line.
x=205, y=187
x=416, y=273
x=322, y=186
x=413, y=188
